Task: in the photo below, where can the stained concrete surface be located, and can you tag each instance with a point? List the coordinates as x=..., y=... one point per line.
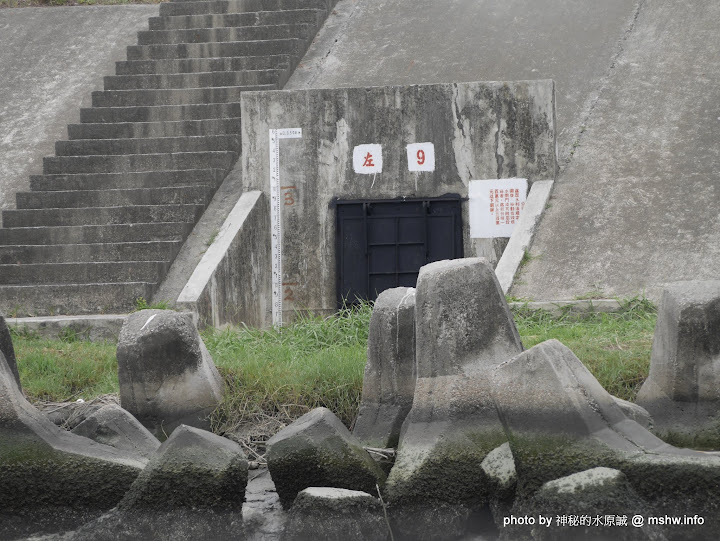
x=402, y=42
x=638, y=205
x=50, y=61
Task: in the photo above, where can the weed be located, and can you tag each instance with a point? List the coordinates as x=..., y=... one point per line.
x=273, y=376
x=212, y=238
x=142, y=304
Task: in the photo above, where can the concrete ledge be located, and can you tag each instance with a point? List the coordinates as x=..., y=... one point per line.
x=229, y=285
x=558, y=308
x=523, y=233
x=101, y=328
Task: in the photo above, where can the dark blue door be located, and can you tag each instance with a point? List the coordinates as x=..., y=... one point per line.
x=383, y=244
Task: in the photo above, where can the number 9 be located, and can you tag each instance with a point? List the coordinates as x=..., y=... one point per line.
x=421, y=157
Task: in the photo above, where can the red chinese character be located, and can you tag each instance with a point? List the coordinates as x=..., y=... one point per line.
x=368, y=161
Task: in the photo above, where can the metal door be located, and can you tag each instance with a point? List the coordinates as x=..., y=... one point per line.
x=383, y=243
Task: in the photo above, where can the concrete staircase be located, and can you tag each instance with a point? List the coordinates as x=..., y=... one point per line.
x=102, y=224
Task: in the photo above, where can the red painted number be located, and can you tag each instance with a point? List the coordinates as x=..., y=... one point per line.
x=421, y=157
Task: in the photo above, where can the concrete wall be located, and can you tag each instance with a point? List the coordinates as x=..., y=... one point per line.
x=479, y=131
x=229, y=285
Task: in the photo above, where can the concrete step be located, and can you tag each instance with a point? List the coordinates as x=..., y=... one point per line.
x=138, y=130
x=160, y=113
x=72, y=273
x=236, y=33
x=155, y=145
x=93, y=234
x=252, y=18
x=66, y=253
x=144, y=179
x=101, y=215
x=116, y=198
x=239, y=6
x=39, y=299
x=138, y=162
x=203, y=65
x=289, y=46
x=193, y=80
x=172, y=96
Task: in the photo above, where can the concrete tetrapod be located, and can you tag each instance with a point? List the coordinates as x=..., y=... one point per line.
x=576, y=507
x=193, y=488
x=560, y=421
x=318, y=451
x=116, y=427
x=166, y=374
x=46, y=471
x=329, y=514
x=389, y=382
x=464, y=329
x=682, y=392
x=7, y=349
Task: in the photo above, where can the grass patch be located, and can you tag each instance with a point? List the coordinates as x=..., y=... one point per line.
x=61, y=370
x=615, y=347
x=283, y=373
x=289, y=371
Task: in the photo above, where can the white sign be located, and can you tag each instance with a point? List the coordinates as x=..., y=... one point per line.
x=367, y=159
x=276, y=218
x=495, y=206
x=421, y=157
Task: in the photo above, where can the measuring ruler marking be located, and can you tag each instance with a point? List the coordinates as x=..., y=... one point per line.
x=276, y=219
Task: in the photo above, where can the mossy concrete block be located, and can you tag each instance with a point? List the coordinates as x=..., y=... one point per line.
x=329, y=514
x=464, y=329
x=682, y=483
x=560, y=421
x=42, y=466
x=7, y=349
x=499, y=467
x=116, y=427
x=593, y=493
x=192, y=469
x=181, y=524
x=167, y=377
x=318, y=450
x=682, y=392
x=389, y=382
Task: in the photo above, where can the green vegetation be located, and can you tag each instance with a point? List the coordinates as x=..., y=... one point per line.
x=614, y=346
x=281, y=373
x=64, y=369
x=142, y=304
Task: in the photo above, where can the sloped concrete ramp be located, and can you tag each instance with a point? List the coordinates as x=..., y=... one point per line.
x=50, y=61
x=405, y=42
x=639, y=203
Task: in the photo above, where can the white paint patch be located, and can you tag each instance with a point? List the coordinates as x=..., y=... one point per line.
x=367, y=159
x=421, y=157
x=147, y=322
x=495, y=206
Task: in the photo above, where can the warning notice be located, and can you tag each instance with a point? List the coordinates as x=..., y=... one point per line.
x=495, y=206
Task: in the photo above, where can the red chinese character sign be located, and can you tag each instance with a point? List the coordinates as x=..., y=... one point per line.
x=495, y=206
x=367, y=159
x=421, y=157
